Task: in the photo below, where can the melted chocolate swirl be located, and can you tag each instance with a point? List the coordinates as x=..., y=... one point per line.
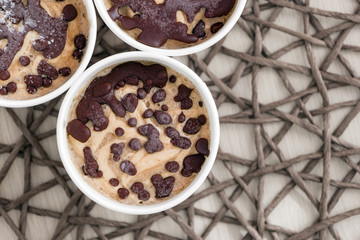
x=158, y=21
x=52, y=31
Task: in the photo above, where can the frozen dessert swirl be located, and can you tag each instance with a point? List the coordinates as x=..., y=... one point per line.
x=158, y=21
x=52, y=31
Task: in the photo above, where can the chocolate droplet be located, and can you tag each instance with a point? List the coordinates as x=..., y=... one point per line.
x=114, y=182
x=128, y=168
x=65, y=71
x=148, y=113
x=135, y=144
x=198, y=30
x=129, y=102
x=132, y=122
x=24, y=61
x=80, y=41
x=181, y=117
x=137, y=187
x=141, y=93
x=11, y=87
x=216, y=27
x=123, y=193
x=192, y=164
x=78, y=130
x=69, y=13
x=172, y=166
x=162, y=118
x=46, y=69
x=163, y=186
x=119, y=131
x=202, y=146
x=91, y=166
x=40, y=44
x=4, y=75
x=192, y=126
x=202, y=119
x=159, y=96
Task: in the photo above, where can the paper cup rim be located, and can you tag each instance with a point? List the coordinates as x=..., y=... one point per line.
x=12, y=103
x=77, y=177
x=240, y=5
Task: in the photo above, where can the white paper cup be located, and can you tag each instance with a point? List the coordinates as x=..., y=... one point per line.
x=84, y=80
x=240, y=4
x=84, y=63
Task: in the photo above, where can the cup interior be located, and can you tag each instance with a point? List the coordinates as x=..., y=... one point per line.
x=240, y=4
x=84, y=63
x=85, y=80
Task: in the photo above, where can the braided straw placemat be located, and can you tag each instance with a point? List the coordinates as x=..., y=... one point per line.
x=288, y=160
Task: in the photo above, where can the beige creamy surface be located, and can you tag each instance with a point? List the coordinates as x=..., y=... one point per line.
x=181, y=17
x=79, y=25
x=146, y=164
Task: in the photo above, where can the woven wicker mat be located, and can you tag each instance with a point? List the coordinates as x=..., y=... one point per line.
x=266, y=183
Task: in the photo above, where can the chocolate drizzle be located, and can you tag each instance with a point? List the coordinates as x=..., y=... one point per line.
x=147, y=74
x=34, y=17
x=158, y=21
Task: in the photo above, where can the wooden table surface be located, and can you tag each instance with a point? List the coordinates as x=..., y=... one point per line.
x=295, y=212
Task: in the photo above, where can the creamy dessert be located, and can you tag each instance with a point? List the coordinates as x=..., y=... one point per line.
x=170, y=23
x=138, y=133
x=41, y=45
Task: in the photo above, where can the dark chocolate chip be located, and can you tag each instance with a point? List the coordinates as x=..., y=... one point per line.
x=181, y=142
x=65, y=71
x=31, y=89
x=132, y=80
x=11, y=87
x=46, y=82
x=162, y=118
x=202, y=119
x=172, y=166
x=40, y=44
x=33, y=80
x=186, y=103
x=202, y=146
x=80, y=41
x=172, y=79
x=141, y=93
x=121, y=83
x=132, y=122
x=114, y=182
x=216, y=27
x=78, y=130
x=135, y=144
x=153, y=144
x=148, y=113
x=24, y=61
x=95, y=113
x=117, y=149
x=164, y=107
x=198, y=30
x=119, y=131
x=123, y=193
x=69, y=13
x=4, y=75
x=77, y=54
x=137, y=187
x=192, y=164
x=181, y=117
x=46, y=69
x=163, y=186
x=91, y=167
x=201, y=103
x=183, y=93
x=128, y=168
x=159, y=96
x=192, y=126
x=144, y=195
x=102, y=89
x=130, y=102
x=172, y=132
x=3, y=90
